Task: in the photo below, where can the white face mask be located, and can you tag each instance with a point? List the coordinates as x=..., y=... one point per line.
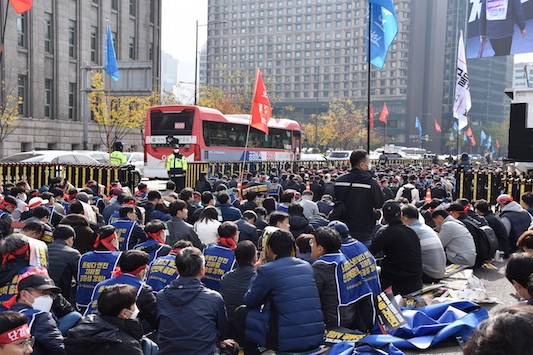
x=369, y=166
x=23, y=197
x=43, y=303
x=176, y=151
x=134, y=313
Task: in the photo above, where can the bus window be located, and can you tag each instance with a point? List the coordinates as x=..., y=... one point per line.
x=171, y=123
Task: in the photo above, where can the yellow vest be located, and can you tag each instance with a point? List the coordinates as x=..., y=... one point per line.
x=176, y=164
x=117, y=158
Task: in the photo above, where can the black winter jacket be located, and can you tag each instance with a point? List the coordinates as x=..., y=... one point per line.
x=233, y=287
x=85, y=235
x=104, y=335
x=360, y=194
x=63, y=267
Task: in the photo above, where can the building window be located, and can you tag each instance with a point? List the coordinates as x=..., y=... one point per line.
x=72, y=101
x=114, y=5
x=152, y=11
x=22, y=84
x=21, y=30
x=132, y=48
x=133, y=7
x=115, y=44
x=48, y=34
x=94, y=44
x=72, y=39
x=48, y=98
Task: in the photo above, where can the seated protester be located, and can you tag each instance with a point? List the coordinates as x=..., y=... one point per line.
x=15, y=336
x=34, y=299
x=131, y=271
x=15, y=253
x=235, y=283
x=228, y=234
x=325, y=205
x=114, y=330
x=161, y=212
x=155, y=245
x=282, y=306
x=162, y=271
x=229, y=213
x=346, y=298
x=310, y=208
x=63, y=261
x=357, y=252
x=116, y=196
x=280, y=220
x=427, y=209
x=206, y=227
x=57, y=212
x=97, y=266
x=38, y=249
x=192, y=318
x=515, y=219
x=506, y=331
x=142, y=191
x=178, y=228
x=525, y=242
x=42, y=214
x=303, y=243
x=7, y=206
x=91, y=212
x=455, y=238
x=470, y=213
x=247, y=228
x=286, y=199
x=207, y=199
x=495, y=222
x=126, y=201
x=401, y=266
x=433, y=256
x=261, y=222
x=85, y=232
x=129, y=232
x=153, y=198
x=252, y=198
x=270, y=205
x=518, y=272
x=187, y=195
x=33, y=203
x=299, y=223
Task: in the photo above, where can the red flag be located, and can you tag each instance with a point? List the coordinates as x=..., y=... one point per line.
x=371, y=118
x=469, y=132
x=21, y=6
x=473, y=141
x=497, y=144
x=384, y=114
x=437, y=126
x=261, y=109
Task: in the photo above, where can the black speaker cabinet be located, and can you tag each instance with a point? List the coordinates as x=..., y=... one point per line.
x=520, y=137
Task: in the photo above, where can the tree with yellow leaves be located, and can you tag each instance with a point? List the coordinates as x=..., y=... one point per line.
x=9, y=113
x=117, y=115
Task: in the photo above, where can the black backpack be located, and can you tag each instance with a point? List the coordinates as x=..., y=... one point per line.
x=484, y=238
x=406, y=193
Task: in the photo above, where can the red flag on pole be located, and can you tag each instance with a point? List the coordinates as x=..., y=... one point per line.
x=21, y=6
x=371, y=118
x=497, y=144
x=437, y=126
x=469, y=132
x=261, y=109
x=473, y=141
x=384, y=114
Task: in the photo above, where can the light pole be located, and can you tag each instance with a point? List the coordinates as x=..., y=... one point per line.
x=196, y=58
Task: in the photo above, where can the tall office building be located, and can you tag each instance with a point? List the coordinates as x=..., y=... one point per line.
x=313, y=50
x=169, y=72
x=45, y=50
x=523, y=75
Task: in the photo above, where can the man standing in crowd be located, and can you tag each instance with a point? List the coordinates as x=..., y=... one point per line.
x=117, y=157
x=359, y=194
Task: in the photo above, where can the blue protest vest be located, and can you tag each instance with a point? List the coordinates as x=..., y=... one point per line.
x=123, y=229
x=65, y=206
x=127, y=279
x=30, y=313
x=351, y=285
x=153, y=248
x=51, y=208
x=115, y=216
x=161, y=272
x=356, y=252
x=94, y=267
x=218, y=261
x=9, y=290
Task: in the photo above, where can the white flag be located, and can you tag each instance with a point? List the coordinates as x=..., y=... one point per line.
x=463, y=102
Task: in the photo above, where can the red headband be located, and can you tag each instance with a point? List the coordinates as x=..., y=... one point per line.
x=175, y=250
x=106, y=242
x=5, y=203
x=131, y=203
x=156, y=237
x=13, y=255
x=118, y=271
x=14, y=335
x=228, y=242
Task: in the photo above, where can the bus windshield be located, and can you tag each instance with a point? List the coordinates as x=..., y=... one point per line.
x=171, y=123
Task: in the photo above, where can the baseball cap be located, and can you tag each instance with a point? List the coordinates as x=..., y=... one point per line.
x=39, y=282
x=83, y=197
x=36, y=201
x=340, y=227
x=391, y=208
x=455, y=207
x=504, y=198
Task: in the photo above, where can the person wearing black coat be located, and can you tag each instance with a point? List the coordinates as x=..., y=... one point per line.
x=115, y=331
x=247, y=228
x=85, y=235
x=63, y=261
x=494, y=221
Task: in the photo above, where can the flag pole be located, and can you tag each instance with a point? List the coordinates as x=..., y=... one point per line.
x=241, y=173
x=369, y=46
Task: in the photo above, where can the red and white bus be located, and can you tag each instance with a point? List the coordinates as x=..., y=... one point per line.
x=205, y=134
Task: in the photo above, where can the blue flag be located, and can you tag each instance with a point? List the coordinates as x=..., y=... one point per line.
x=383, y=30
x=456, y=127
x=111, y=66
x=418, y=126
x=489, y=142
x=482, y=136
x=465, y=138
